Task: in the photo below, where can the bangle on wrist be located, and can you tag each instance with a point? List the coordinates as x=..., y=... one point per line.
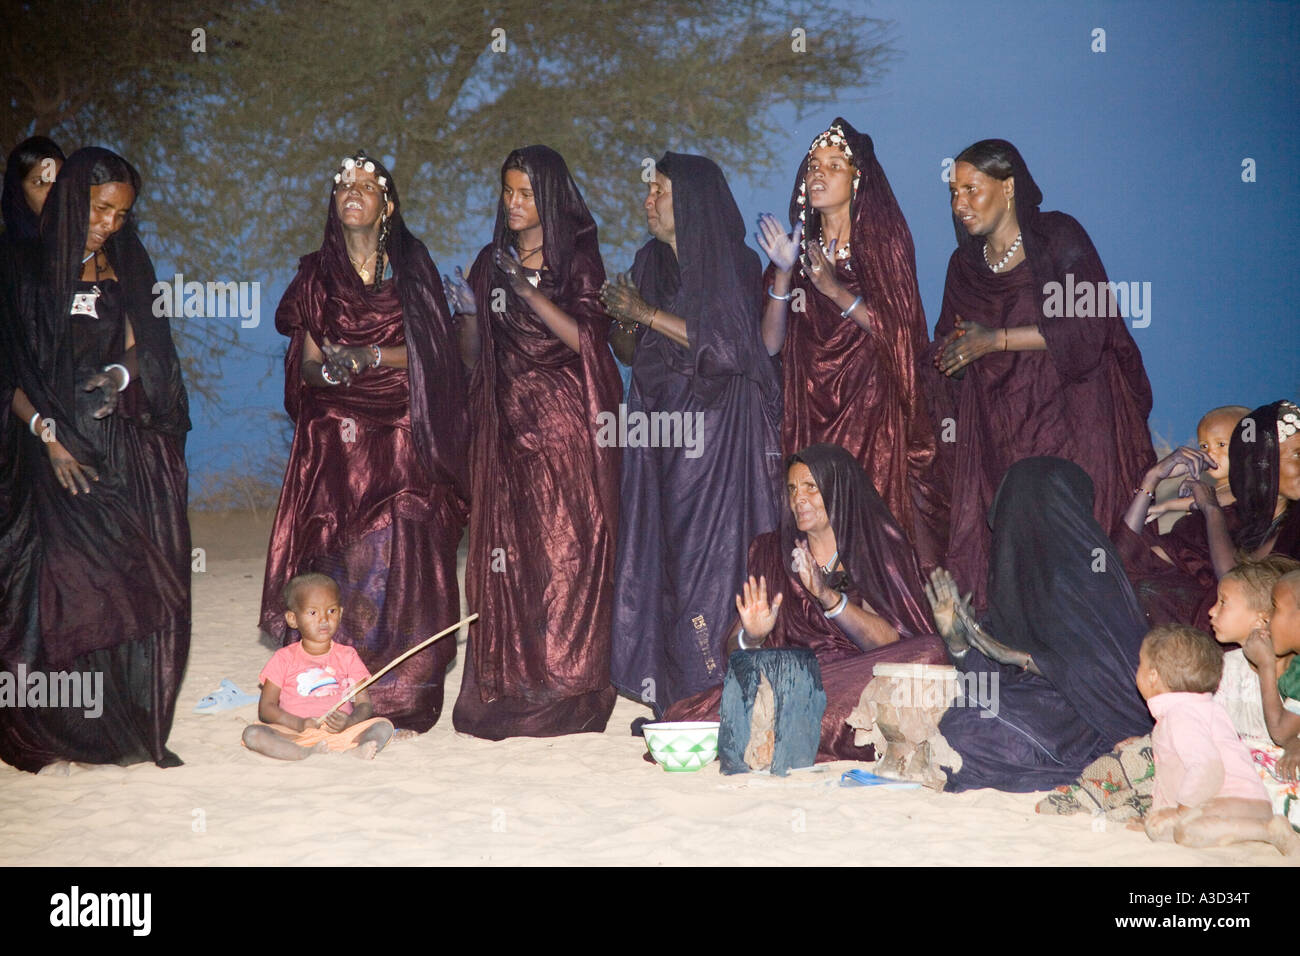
x=1139, y=490
x=1004, y=340
x=325, y=374
x=852, y=305
x=740, y=639
x=651, y=323
x=126, y=375
x=771, y=293
x=31, y=423
x=378, y=356
x=839, y=608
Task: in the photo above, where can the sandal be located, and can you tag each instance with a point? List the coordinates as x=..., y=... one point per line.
x=227, y=697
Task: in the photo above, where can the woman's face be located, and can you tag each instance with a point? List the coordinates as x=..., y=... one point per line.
x=1288, y=468
x=979, y=202
x=360, y=200
x=829, y=179
x=109, y=205
x=520, y=204
x=659, y=209
x=37, y=183
x=805, y=499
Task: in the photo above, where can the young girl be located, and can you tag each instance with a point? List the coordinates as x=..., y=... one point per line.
x=1271, y=648
x=303, y=681
x=1206, y=791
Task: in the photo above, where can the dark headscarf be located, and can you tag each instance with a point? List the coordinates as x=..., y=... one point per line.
x=712, y=282
x=439, y=423
x=568, y=229
x=20, y=222
x=1253, y=473
x=1057, y=591
x=43, y=349
x=877, y=559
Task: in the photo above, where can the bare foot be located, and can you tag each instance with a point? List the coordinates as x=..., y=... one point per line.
x=400, y=735
x=366, y=751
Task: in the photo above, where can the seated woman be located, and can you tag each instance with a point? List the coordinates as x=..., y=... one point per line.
x=1061, y=636
x=95, y=542
x=851, y=591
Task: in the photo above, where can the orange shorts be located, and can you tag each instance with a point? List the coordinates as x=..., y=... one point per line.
x=345, y=739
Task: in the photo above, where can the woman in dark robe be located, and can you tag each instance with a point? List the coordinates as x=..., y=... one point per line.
x=847, y=320
x=1018, y=378
x=374, y=492
x=544, y=505
x=1061, y=637
x=689, y=511
x=30, y=171
x=95, y=569
x=851, y=591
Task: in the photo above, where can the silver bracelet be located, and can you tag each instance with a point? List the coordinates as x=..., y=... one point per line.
x=856, y=302
x=325, y=374
x=378, y=357
x=740, y=639
x=31, y=423
x=779, y=298
x=839, y=608
x=126, y=375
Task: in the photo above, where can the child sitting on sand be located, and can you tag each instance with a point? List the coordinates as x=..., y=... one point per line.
x=1206, y=789
x=1272, y=649
x=303, y=681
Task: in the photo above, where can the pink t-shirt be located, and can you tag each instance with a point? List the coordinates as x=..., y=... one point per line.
x=1198, y=754
x=309, y=686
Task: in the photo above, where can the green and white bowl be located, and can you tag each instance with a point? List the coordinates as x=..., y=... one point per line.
x=684, y=745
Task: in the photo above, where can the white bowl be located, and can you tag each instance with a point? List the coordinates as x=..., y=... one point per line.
x=682, y=746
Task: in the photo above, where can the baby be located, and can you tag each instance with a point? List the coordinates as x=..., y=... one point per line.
x=1213, y=436
x=1206, y=791
x=303, y=681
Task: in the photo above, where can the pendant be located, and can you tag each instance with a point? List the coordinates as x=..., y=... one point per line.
x=365, y=275
x=83, y=303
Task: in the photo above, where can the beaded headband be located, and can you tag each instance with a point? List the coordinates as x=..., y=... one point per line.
x=348, y=170
x=832, y=137
x=1288, y=420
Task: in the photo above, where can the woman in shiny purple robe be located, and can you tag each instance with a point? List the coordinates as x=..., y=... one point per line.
x=844, y=312
x=869, y=571
x=1028, y=368
x=374, y=492
x=689, y=512
x=544, y=506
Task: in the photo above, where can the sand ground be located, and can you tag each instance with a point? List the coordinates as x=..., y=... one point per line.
x=445, y=798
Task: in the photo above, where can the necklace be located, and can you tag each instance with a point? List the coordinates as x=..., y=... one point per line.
x=361, y=266
x=1011, y=251
x=525, y=253
x=841, y=251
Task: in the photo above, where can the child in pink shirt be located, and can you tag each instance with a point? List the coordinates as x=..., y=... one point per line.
x=303, y=681
x=1207, y=792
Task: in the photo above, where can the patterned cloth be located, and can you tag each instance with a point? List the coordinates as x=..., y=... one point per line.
x=1119, y=785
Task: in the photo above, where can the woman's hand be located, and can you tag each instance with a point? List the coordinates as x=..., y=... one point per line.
x=968, y=341
x=757, y=616
x=351, y=360
x=459, y=295
x=514, y=273
x=946, y=604
x=110, y=383
x=821, y=270
x=624, y=303
x=1204, y=498
x=781, y=249
x=1180, y=461
x=71, y=474
x=812, y=577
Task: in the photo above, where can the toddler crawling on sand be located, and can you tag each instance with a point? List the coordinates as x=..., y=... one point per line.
x=303, y=681
x=1206, y=789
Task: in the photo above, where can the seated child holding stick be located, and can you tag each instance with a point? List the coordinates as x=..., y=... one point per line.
x=1206, y=789
x=303, y=681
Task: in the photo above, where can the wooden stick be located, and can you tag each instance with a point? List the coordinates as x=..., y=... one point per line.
x=393, y=663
